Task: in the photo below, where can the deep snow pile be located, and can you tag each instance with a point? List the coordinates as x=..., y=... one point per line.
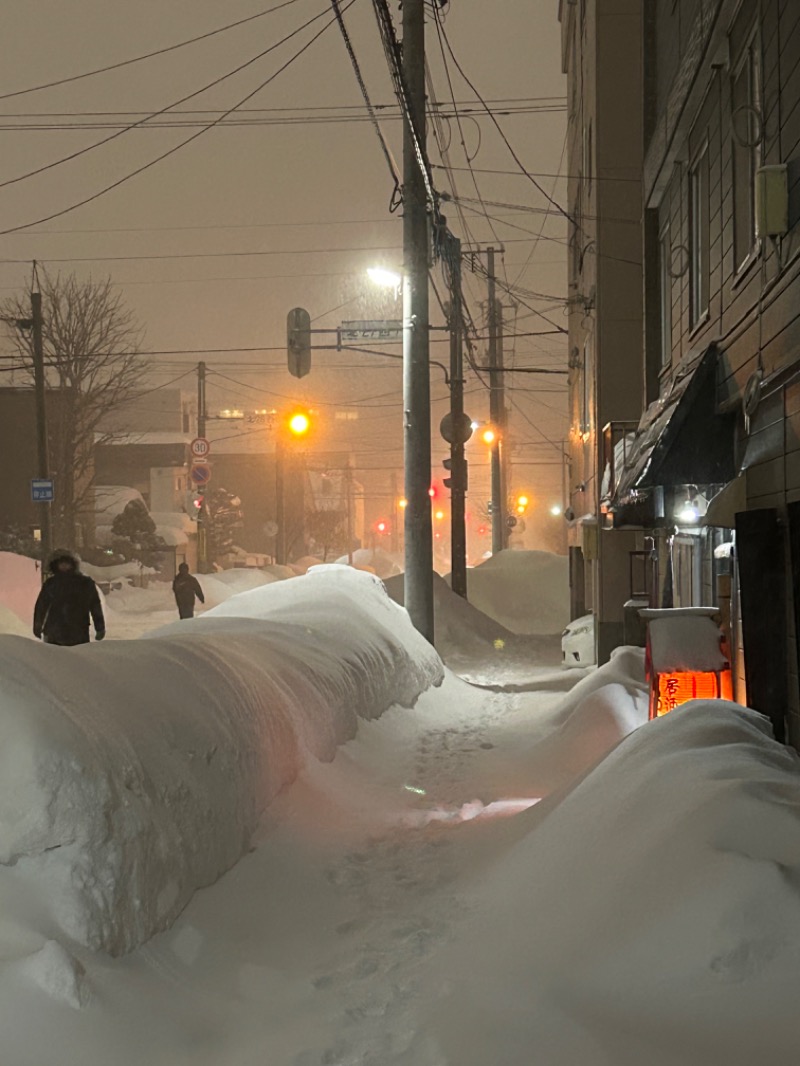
x=20, y=581
x=478, y=647
x=525, y=591
x=376, y=560
x=647, y=912
x=133, y=773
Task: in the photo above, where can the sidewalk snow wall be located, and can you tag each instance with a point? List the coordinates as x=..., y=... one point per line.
x=133, y=773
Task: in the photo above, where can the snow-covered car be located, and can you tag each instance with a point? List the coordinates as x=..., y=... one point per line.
x=577, y=642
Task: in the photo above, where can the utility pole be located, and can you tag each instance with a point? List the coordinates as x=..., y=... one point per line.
x=458, y=465
x=202, y=414
x=42, y=449
x=280, y=497
x=416, y=341
x=497, y=411
x=348, y=480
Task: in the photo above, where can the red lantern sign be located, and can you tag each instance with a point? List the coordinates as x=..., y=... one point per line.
x=686, y=658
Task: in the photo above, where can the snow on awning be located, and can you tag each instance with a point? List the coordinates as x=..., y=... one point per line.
x=681, y=439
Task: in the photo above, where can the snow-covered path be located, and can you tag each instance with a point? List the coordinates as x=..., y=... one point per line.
x=321, y=946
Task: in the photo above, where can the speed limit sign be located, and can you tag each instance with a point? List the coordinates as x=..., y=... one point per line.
x=200, y=448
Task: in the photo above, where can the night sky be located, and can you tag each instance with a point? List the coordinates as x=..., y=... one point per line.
x=302, y=185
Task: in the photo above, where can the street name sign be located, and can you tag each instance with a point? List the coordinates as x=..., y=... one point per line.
x=42, y=490
x=372, y=329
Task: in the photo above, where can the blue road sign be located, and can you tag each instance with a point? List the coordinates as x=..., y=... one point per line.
x=42, y=490
x=200, y=474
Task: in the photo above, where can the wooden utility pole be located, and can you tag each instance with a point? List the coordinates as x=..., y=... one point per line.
x=416, y=341
x=42, y=447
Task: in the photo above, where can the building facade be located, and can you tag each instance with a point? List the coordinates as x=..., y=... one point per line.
x=709, y=479
x=602, y=57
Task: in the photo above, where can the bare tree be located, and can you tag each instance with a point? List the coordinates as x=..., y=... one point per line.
x=90, y=342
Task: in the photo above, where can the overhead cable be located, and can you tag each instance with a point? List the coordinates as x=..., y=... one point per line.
x=147, y=55
x=177, y=147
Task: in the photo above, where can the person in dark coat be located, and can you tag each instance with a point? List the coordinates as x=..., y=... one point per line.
x=67, y=601
x=186, y=588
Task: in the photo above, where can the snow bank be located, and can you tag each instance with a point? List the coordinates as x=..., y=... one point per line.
x=573, y=736
x=526, y=591
x=221, y=585
x=134, y=772
x=649, y=913
x=20, y=581
x=376, y=561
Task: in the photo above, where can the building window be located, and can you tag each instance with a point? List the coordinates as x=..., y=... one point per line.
x=665, y=283
x=746, y=136
x=699, y=236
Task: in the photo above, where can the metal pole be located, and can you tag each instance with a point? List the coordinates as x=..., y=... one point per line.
x=202, y=532
x=350, y=530
x=42, y=448
x=503, y=449
x=416, y=351
x=496, y=416
x=280, y=499
x=458, y=466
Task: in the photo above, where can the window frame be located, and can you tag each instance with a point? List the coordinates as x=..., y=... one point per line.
x=750, y=59
x=699, y=197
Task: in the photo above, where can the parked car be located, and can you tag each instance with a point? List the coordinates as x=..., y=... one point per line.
x=577, y=642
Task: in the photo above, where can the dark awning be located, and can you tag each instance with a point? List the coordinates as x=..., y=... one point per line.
x=681, y=439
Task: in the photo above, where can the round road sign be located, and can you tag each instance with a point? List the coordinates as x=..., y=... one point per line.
x=200, y=448
x=200, y=474
x=456, y=431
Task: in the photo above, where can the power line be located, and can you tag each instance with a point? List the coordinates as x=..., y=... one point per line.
x=390, y=162
x=539, y=174
x=177, y=147
x=180, y=118
x=161, y=111
x=499, y=128
x=207, y=255
x=147, y=55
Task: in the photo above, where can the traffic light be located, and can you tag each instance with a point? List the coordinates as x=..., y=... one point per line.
x=457, y=468
x=299, y=423
x=382, y=527
x=522, y=504
x=298, y=341
x=197, y=505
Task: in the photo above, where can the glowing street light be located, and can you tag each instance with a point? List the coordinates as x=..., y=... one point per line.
x=488, y=436
x=555, y=509
x=386, y=279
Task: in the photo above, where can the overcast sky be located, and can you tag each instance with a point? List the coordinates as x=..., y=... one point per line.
x=304, y=190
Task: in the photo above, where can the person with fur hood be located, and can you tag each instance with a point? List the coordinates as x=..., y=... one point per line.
x=67, y=602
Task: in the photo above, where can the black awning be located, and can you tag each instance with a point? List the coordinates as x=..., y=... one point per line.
x=681, y=439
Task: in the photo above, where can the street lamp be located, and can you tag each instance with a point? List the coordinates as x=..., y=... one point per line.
x=385, y=279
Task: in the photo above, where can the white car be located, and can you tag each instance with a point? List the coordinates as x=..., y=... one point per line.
x=577, y=642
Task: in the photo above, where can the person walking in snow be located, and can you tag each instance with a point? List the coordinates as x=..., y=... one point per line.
x=187, y=589
x=68, y=600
